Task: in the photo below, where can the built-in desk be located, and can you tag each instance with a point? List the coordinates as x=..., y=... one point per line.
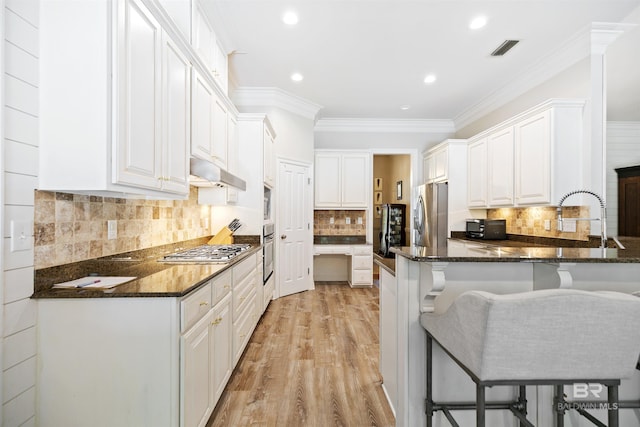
x=359, y=262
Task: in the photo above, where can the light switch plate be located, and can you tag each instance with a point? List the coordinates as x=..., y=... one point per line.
x=348, y=220
x=331, y=220
x=112, y=229
x=547, y=224
x=21, y=235
x=359, y=220
x=569, y=226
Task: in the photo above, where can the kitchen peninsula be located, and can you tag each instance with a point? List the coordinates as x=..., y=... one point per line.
x=428, y=280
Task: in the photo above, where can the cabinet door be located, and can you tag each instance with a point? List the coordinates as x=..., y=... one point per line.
x=220, y=69
x=440, y=165
x=202, y=36
x=219, y=146
x=195, y=378
x=500, y=173
x=427, y=168
x=355, y=180
x=138, y=145
x=268, y=142
x=389, y=335
x=221, y=347
x=477, y=170
x=532, y=159
x=201, y=117
x=327, y=192
x=176, y=118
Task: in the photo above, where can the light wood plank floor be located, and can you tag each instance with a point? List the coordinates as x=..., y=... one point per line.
x=312, y=361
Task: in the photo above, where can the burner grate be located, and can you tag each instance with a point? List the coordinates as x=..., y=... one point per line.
x=208, y=253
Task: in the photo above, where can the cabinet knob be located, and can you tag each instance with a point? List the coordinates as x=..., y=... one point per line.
x=204, y=303
x=284, y=236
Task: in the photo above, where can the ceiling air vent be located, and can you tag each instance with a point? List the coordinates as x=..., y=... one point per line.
x=504, y=47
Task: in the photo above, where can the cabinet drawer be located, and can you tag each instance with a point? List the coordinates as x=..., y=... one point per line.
x=361, y=262
x=243, y=327
x=243, y=269
x=242, y=295
x=362, y=250
x=220, y=286
x=194, y=306
x=331, y=249
x=362, y=276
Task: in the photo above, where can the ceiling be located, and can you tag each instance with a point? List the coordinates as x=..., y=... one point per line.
x=367, y=58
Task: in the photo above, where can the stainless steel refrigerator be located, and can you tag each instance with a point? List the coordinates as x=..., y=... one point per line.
x=430, y=216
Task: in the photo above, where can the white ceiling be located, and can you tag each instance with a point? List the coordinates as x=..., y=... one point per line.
x=367, y=58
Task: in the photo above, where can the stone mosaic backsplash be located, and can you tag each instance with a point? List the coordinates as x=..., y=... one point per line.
x=71, y=227
x=531, y=221
x=322, y=225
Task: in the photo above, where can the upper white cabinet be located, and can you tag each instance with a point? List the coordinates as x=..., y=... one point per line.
x=436, y=164
x=119, y=123
x=269, y=158
x=342, y=179
x=500, y=167
x=208, y=46
x=477, y=173
x=532, y=159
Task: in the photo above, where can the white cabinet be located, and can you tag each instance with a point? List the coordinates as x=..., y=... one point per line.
x=342, y=179
x=208, y=46
x=221, y=357
x=436, y=164
x=533, y=158
x=532, y=161
x=123, y=112
x=219, y=143
x=361, y=266
x=244, y=311
x=389, y=336
x=208, y=123
x=500, y=171
x=269, y=158
x=477, y=173
x=233, y=160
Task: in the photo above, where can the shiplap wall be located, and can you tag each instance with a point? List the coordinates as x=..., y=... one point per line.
x=20, y=165
x=623, y=149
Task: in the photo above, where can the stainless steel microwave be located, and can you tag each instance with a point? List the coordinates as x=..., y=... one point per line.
x=487, y=229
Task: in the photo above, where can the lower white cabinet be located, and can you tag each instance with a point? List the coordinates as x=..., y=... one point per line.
x=148, y=361
x=268, y=290
x=389, y=336
x=360, y=261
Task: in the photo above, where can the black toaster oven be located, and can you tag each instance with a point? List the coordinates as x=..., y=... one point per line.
x=487, y=229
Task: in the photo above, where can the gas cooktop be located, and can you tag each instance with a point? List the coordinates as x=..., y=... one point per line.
x=217, y=254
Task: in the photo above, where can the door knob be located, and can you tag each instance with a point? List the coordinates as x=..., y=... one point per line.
x=284, y=236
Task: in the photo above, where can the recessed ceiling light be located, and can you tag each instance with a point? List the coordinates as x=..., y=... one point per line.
x=405, y=107
x=296, y=77
x=290, y=18
x=430, y=78
x=478, y=22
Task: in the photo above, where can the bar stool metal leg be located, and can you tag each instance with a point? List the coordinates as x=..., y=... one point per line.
x=480, y=405
x=429, y=399
x=612, y=394
x=559, y=404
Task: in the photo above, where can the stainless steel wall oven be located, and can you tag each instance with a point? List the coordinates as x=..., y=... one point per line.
x=267, y=251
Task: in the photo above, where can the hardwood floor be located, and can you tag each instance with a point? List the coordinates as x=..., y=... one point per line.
x=312, y=361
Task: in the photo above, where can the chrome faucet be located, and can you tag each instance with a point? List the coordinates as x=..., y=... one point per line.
x=602, y=219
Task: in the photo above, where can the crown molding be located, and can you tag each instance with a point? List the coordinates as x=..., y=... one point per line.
x=384, y=125
x=274, y=97
x=575, y=49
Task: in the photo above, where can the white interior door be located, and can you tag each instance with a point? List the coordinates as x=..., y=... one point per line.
x=294, y=233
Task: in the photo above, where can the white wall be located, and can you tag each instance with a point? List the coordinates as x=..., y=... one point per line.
x=20, y=165
x=623, y=149
x=574, y=82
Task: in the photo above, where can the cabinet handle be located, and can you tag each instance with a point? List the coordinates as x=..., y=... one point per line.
x=217, y=321
x=204, y=303
x=227, y=287
x=243, y=335
x=243, y=298
x=284, y=236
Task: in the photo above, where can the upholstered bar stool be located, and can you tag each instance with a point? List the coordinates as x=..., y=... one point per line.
x=549, y=337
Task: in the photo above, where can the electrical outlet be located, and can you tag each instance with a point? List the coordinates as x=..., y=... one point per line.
x=112, y=229
x=331, y=220
x=347, y=220
x=21, y=232
x=547, y=224
x=359, y=221
x=569, y=226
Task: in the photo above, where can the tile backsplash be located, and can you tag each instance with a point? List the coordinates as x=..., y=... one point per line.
x=71, y=227
x=530, y=221
x=322, y=225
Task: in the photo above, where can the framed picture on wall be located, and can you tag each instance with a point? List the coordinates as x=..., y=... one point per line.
x=378, y=212
x=377, y=184
x=377, y=197
x=399, y=190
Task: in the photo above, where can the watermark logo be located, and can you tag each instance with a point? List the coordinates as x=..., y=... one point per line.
x=590, y=395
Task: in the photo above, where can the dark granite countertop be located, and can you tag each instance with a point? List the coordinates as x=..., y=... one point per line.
x=480, y=251
x=388, y=264
x=154, y=278
x=339, y=240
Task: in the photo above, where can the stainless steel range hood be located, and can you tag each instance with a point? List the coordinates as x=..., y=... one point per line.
x=207, y=174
